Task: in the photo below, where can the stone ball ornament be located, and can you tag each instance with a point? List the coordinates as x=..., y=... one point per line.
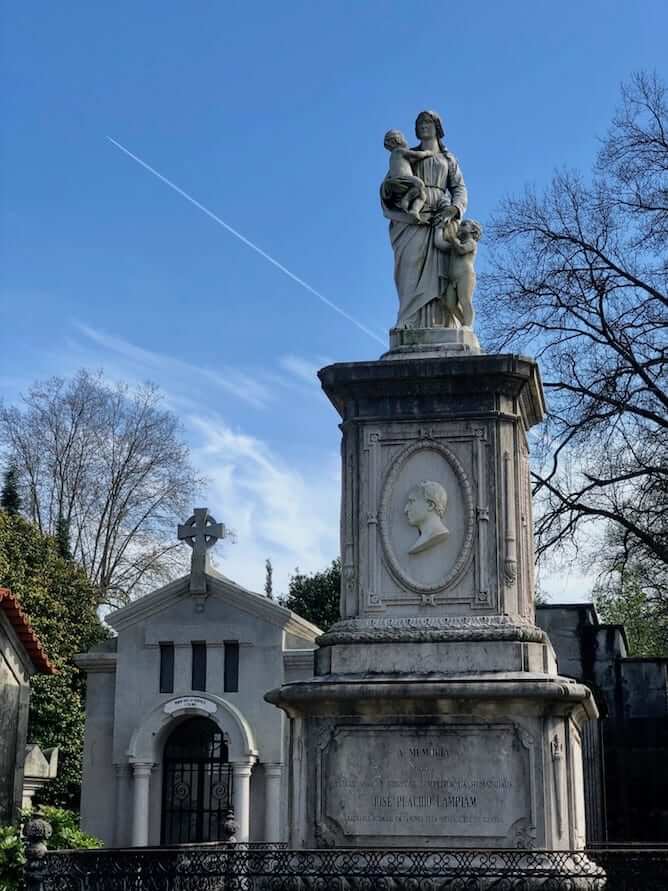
x=423, y=484
x=36, y=832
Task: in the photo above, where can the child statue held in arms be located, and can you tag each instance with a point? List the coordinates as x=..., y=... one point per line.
x=401, y=186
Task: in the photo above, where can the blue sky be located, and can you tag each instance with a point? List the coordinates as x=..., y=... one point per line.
x=272, y=116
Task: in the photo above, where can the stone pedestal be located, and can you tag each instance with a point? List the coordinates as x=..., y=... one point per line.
x=431, y=342
x=436, y=716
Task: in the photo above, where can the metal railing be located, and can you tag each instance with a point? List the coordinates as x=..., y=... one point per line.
x=265, y=867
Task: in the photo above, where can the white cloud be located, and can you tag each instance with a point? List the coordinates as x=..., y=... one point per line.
x=303, y=369
x=182, y=375
x=276, y=510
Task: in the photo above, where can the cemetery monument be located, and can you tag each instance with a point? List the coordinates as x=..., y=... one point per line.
x=436, y=716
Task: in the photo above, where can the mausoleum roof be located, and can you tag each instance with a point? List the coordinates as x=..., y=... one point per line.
x=25, y=632
x=217, y=585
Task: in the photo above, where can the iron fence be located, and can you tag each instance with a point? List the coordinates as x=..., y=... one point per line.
x=275, y=868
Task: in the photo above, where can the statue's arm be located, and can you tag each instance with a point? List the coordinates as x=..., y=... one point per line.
x=415, y=155
x=440, y=241
x=457, y=186
x=462, y=249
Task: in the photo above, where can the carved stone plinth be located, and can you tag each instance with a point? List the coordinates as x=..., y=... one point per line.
x=421, y=761
x=437, y=342
x=460, y=422
x=436, y=715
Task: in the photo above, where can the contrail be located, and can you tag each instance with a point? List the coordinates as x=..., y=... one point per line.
x=247, y=242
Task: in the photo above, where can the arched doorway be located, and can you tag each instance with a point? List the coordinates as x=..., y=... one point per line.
x=196, y=783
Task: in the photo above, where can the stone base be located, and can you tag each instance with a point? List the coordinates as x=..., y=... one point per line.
x=472, y=645
x=492, y=762
x=431, y=342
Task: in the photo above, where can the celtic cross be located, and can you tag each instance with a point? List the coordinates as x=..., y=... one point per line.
x=200, y=532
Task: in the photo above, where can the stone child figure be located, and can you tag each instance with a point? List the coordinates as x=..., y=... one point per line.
x=425, y=508
x=401, y=186
x=461, y=241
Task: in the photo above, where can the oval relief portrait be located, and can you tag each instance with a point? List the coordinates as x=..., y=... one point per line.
x=426, y=517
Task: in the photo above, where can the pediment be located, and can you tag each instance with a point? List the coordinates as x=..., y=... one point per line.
x=218, y=586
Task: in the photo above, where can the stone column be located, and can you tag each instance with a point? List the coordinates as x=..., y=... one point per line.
x=141, y=771
x=122, y=772
x=241, y=798
x=272, y=802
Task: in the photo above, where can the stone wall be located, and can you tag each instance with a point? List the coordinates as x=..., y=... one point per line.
x=626, y=753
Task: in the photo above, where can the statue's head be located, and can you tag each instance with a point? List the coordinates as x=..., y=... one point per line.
x=394, y=139
x=473, y=227
x=428, y=125
x=425, y=498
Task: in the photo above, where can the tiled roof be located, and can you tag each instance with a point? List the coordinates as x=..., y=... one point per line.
x=25, y=633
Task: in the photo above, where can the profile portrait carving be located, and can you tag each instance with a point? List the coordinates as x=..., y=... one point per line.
x=424, y=483
x=425, y=509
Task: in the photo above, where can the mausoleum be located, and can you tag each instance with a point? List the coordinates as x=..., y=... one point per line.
x=21, y=656
x=178, y=734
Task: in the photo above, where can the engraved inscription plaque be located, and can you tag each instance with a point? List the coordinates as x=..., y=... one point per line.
x=466, y=780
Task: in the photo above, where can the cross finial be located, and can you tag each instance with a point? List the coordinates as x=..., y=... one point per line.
x=201, y=532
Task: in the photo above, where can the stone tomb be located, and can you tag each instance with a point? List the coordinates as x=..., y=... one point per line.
x=436, y=716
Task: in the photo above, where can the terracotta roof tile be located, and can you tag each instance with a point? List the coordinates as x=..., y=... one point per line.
x=25, y=632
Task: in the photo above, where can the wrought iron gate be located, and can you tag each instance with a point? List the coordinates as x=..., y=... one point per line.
x=196, y=784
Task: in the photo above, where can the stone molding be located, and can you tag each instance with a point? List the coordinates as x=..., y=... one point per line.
x=561, y=696
x=436, y=628
x=96, y=662
x=298, y=659
x=250, y=602
x=147, y=739
x=350, y=386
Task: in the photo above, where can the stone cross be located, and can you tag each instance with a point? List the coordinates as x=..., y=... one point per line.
x=200, y=532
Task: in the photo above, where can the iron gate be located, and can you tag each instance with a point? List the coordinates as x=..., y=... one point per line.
x=196, y=784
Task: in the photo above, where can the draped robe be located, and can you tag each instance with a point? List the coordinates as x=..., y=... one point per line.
x=420, y=269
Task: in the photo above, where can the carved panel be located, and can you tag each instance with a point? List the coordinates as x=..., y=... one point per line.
x=510, y=556
x=372, y=443
x=396, y=781
x=482, y=519
x=426, y=572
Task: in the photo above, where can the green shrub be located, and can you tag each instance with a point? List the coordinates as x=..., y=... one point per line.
x=12, y=858
x=66, y=834
x=61, y=605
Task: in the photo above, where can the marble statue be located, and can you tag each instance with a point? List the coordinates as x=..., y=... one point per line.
x=460, y=240
x=420, y=268
x=401, y=186
x=425, y=508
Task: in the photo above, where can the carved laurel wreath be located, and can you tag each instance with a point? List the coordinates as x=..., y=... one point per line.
x=468, y=516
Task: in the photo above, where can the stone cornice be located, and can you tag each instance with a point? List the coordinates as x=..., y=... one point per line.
x=305, y=697
x=298, y=658
x=248, y=601
x=354, y=388
x=96, y=662
x=148, y=605
x=443, y=628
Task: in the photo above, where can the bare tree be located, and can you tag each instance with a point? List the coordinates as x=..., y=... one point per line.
x=109, y=465
x=579, y=278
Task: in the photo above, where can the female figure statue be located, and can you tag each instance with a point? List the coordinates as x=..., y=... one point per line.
x=421, y=268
